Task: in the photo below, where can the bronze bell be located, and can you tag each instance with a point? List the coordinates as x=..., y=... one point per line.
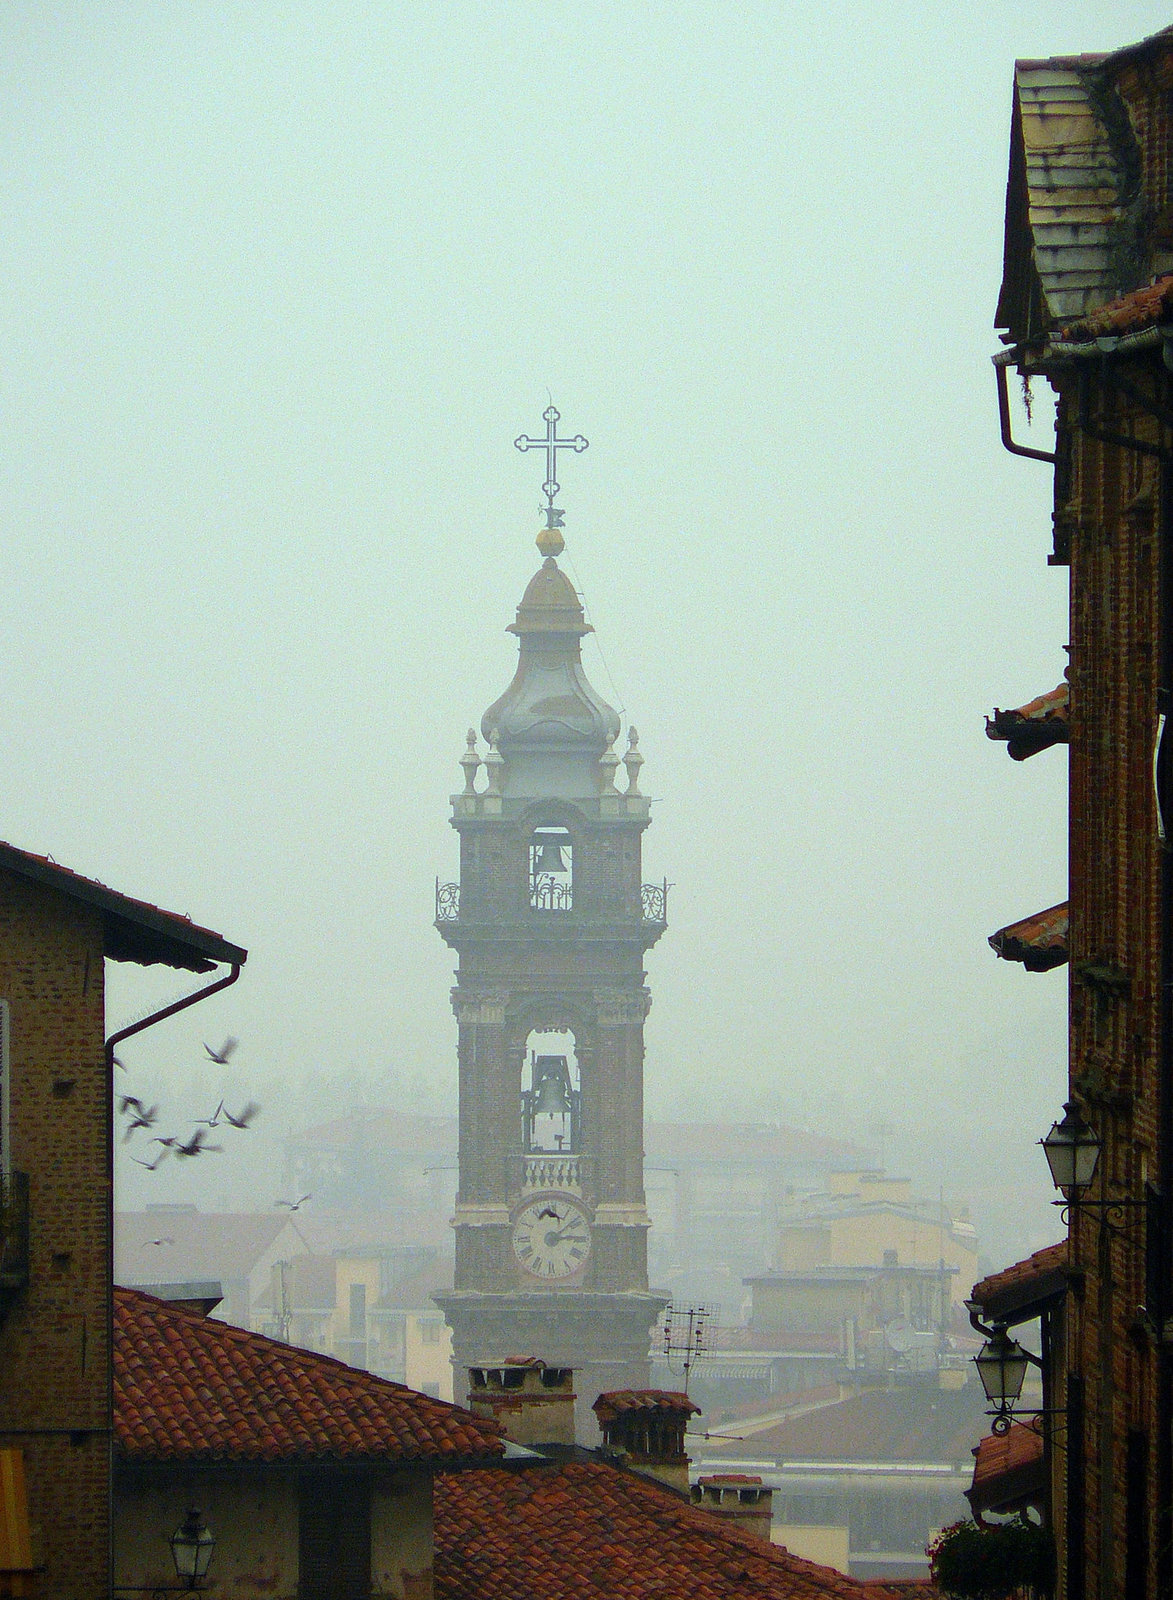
x=549, y=857
x=551, y=1098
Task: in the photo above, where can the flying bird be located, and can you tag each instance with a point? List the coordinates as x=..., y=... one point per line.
x=148, y=1242
x=213, y=1121
x=245, y=1117
x=294, y=1205
x=195, y=1145
x=151, y=1165
x=129, y=1102
x=145, y=1119
x=118, y=1063
x=220, y=1057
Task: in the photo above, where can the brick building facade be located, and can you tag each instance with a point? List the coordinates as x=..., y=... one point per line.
x=1087, y=304
x=56, y=1118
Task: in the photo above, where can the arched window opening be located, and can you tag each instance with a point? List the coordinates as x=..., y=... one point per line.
x=551, y=869
x=551, y=1104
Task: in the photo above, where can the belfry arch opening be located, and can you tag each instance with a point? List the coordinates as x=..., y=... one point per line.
x=551, y=1099
x=551, y=868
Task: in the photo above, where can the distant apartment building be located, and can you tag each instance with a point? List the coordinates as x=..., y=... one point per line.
x=865, y=1278
x=337, y=1283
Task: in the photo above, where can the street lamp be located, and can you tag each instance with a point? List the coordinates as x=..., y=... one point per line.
x=192, y=1545
x=1072, y=1149
x=1002, y=1364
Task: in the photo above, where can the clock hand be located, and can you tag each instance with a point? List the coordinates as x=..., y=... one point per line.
x=565, y=1228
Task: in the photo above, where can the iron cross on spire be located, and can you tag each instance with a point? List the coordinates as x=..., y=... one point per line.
x=551, y=444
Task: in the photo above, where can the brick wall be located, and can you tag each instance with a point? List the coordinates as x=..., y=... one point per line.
x=1112, y=506
x=54, y=1341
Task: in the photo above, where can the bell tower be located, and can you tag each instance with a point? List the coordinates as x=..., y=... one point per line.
x=551, y=920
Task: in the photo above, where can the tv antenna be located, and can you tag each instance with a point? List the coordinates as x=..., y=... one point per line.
x=687, y=1333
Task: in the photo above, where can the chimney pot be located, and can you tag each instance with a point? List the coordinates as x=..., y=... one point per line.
x=530, y=1402
x=743, y=1499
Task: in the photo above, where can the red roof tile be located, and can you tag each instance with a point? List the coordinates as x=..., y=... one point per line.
x=584, y=1530
x=190, y=1389
x=1039, y=942
x=731, y=1480
x=1131, y=313
x=616, y=1401
x=135, y=930
x=1016, y=1286
x=1007, y=1470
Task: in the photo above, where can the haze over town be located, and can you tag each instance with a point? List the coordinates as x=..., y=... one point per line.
x=284, y=285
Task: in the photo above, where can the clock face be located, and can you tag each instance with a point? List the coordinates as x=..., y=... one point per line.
x=552, y=1237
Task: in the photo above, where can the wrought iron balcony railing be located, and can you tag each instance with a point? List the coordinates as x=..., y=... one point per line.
x=654, y=902
x=547, y=893
x=552, y=895
x=447, y=902
x=14, y=1231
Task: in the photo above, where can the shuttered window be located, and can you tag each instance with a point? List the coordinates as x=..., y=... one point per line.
x=334, y=1538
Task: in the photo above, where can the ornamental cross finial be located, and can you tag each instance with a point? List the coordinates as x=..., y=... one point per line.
x=551, y=444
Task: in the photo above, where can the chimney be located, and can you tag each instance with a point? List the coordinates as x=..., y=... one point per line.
x=531, y=1402
x=742, y=1499
x=646, y=1427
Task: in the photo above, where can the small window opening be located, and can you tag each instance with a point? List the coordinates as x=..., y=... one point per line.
x=551, y=870
x=551, y=1104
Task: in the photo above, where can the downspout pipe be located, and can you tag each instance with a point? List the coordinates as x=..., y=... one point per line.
x=169, y=1011
x=112, y=1042
x=1000, y=368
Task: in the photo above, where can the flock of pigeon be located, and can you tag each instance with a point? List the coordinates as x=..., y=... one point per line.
x=143, y=1116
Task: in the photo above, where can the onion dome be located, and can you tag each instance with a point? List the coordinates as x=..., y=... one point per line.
x=550, y=725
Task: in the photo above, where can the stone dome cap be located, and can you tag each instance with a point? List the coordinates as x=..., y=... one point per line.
x=550, y=604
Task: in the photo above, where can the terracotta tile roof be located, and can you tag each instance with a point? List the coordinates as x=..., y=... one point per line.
x=190, y=1389
x=1039, y=942
x=616, y=1401
x=1034, y=726
x=135, y=930
x=1022, y=1285
x=1009, y=1470
x=584, y=1530
x=1129, y=313
x=731, y=1480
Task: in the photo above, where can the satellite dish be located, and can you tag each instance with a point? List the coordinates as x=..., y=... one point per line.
x=899, y=1335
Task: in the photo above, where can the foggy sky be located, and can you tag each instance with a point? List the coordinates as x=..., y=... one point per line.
x=283, y=284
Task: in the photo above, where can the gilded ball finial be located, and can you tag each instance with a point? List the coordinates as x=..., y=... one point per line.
x=550, y=542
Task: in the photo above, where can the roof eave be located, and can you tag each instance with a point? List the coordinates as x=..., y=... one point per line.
x=133, y=930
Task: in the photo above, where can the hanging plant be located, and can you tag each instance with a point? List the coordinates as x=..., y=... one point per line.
x=993, y=1563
